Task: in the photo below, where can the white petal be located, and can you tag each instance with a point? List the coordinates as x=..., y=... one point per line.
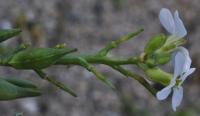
x=167, y=20
x=186, y=75
x=180, y=28
x=182, y=61
x=164, y=93
x=177, y=97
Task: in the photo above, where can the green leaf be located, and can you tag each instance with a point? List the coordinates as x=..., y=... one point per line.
x=37, y=58
x=9, y=91
x=155, y=43
x=8, y=33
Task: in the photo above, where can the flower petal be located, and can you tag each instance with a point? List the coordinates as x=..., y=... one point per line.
x=164, y=93
x=180, y=28
x=182, y=61
x=167, y=20
x=177, y=97
x=184, y=77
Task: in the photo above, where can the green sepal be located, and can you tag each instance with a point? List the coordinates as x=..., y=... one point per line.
x=37, y=58
x=155, y=43
x=171, y=44
x=10, y=91
x=8, y=33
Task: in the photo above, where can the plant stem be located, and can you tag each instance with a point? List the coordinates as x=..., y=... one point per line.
x=54, y=82
x=137, y=77
x=117, y=42
x=74, y=59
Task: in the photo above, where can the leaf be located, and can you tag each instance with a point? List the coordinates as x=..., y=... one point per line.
x=37, y=58
x=155, y=43
x=8, y=33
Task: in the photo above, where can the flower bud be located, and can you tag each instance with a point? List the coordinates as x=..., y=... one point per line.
x=155, y=43
x=37, y=58
x=162, y=58
x=9, y=91
x=20, y=82
x=158, y=76
x=8, y=33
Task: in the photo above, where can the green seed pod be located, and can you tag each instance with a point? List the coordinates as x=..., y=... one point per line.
x=8, y=33
x=9, y=91
x=37, y=58
x=155, y=43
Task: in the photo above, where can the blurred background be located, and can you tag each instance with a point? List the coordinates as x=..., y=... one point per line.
x=88, y=25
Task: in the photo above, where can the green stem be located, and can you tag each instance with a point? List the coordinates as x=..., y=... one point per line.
x=117, y=42
x=137, y=77
x=90, y=68
x=74, y=59
x=54, y=82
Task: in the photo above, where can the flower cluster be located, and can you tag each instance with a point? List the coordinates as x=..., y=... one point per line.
x=181, y=59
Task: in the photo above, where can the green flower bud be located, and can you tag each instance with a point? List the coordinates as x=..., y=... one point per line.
x=155, y=43
x=162, y=58
x=9, y=91
x=8, y=33
x=37, y=58
x=158, y=76
x=151, y=62
x=20, y=82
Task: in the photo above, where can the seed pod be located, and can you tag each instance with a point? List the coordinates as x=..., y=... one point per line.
x=8, y=33
x=155, y=43
x=37, y=58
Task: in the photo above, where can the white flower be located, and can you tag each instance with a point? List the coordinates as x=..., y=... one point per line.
x=182, y=70
x=173, y=24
